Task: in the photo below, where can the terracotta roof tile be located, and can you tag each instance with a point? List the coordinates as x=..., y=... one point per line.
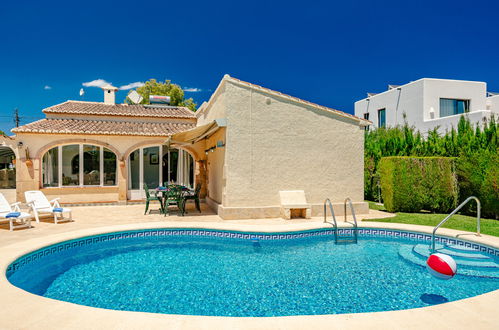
x=99, y=127
x=122, y=110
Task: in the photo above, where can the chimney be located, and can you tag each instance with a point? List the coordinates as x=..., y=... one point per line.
x=109, y=94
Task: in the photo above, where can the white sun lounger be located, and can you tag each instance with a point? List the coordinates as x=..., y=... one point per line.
x=39, y=204
x=12, y=213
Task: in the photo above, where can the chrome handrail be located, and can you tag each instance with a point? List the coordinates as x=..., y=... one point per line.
x=327, y=200
x=454, y=212
x=330, y=209
x=351, y=210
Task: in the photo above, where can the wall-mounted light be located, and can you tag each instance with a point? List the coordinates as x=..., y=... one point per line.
x=220, y=144
x=20, y=144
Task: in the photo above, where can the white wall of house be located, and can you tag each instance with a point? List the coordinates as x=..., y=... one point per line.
x=420, y=102
x=274, y=143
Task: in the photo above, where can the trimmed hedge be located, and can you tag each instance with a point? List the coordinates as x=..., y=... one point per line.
x=475, y=147
x=478, y=175
x=412, y=184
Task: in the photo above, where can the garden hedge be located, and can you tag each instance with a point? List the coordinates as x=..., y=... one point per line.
x=412, y=184
x=478, y=175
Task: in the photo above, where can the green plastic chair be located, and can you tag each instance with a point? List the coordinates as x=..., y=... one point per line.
x=150, y=198
x=194, y=197
x=174, y=197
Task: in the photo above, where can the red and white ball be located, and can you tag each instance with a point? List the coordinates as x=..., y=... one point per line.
x=441, y=266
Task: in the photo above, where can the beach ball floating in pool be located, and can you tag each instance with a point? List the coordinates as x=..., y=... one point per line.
x=441, y=266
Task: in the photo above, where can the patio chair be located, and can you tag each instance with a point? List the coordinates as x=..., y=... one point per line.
x=174, y=197
x=194, y=196
x=150, y=198
x=39, y=204
x=12, y=213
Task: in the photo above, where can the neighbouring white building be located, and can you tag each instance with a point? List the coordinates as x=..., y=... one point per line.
x=428, y=103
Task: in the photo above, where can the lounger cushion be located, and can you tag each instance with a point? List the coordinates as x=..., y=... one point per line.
x=13, y=215
x=21, y=215
x=54, y=210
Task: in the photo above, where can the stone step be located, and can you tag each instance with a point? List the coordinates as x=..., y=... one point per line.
x=460, y=248
x=424, y=250
x=407, y=253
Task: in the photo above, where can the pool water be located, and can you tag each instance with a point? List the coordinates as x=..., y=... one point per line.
x=228, y=277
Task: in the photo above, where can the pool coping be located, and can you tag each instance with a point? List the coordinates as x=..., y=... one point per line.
x=22, y=309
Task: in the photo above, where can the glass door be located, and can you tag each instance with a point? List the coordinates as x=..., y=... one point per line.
x=156, y=166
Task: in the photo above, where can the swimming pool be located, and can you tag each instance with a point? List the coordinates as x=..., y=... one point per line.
x=213, y=272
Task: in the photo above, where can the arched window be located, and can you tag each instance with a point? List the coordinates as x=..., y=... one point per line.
x=79, y=165
x=159, y=165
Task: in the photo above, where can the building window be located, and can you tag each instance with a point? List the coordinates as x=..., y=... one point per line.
x=78, y=165
x=366, y=117
x=382, y=118
x=159, y=165
x=50, y=168
x=450, y=107
x=109, y=159
x=70, y=162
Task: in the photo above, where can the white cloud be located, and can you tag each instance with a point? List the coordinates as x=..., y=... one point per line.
x=192, y=89
x=47, y=87
x=96, y=83
x=132, y=85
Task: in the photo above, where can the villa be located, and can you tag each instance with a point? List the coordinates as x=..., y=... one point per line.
x=244, y=146
x=249, y=148
x=429, y=103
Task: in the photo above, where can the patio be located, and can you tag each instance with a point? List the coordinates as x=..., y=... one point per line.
x=92, y=217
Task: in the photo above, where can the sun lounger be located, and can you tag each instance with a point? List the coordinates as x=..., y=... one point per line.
x=12, y=213
x=39, y=204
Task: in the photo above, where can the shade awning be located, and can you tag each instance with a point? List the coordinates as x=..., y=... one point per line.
x=197, y=133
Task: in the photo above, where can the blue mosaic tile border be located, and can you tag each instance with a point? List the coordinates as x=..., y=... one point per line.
x=362, y=232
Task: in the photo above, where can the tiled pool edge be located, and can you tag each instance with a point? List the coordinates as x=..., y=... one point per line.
x=453, y=315
x=234, y=234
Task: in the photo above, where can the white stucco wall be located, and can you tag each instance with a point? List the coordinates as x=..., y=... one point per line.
x=214, y=109
x=215, y=162
x=492, y=104
x=420, y=101
x=408, y=100
x=275, y=144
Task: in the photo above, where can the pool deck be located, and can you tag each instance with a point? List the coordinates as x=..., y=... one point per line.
x=23, y=310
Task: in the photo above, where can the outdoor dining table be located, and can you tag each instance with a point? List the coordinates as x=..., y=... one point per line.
x=163, y=191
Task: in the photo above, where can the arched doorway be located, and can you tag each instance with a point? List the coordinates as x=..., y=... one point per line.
x=158, y=165
x=7, y=168
x=8, y=173
x=178, y=167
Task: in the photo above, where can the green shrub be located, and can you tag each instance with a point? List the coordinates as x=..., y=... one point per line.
x=478, y=175
x=412, y=184
x=476, y=149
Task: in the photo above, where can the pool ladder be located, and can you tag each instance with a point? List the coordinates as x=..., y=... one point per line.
x=478, y=208
x=343, y=239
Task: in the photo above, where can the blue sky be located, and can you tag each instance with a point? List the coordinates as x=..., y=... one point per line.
x=327, y=52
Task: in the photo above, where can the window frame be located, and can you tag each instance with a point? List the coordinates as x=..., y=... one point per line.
x=384, y=117
x=366, y=117
x=81, y=167
x=467, y=103
x=163, y=151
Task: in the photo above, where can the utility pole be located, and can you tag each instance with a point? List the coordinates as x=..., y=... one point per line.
x=16, y=117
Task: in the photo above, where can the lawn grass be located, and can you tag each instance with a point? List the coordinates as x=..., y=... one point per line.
x=459, y=222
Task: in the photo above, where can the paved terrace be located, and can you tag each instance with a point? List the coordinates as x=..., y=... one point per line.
x=22, y=310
